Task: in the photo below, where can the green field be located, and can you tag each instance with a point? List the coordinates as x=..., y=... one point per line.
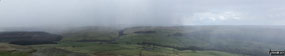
x=156, y=41
x=98, y=49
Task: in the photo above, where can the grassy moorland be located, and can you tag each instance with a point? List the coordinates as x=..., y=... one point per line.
x=162, y=41
x=99, y=49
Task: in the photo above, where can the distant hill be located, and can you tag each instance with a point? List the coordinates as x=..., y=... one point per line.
x=27, y=38
x=91, y=34
x=249, y=40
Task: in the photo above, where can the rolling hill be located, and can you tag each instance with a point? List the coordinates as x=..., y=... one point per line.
x=167, y=41
x=247, y=40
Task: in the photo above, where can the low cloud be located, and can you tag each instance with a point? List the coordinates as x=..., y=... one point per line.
x=30, y=13
x=212, y=17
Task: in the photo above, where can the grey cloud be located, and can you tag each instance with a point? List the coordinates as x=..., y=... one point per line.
x=29, y=13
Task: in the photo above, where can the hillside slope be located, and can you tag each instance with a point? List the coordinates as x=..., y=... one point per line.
x=248, y=40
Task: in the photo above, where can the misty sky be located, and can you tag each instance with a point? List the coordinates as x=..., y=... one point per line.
x=30, y=13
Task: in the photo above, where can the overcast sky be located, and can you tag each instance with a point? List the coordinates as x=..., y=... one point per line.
x=31, y=13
